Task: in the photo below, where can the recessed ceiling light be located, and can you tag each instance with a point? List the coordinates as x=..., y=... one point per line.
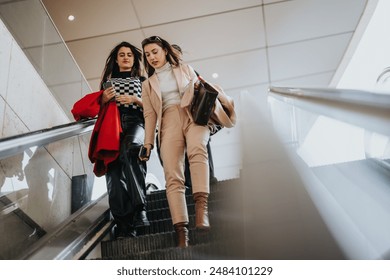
x=215, y=75
x=71, y=17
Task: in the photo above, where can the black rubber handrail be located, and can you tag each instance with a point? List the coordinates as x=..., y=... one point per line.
x=13, y=145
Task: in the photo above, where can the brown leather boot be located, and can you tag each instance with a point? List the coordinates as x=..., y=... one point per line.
x=201, y=211
x=182, y=234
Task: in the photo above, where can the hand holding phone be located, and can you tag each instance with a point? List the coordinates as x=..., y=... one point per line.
x=143, y=153
x=107, y=84
x=108, y=96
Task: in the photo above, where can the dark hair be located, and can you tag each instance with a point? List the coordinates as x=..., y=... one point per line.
x=112, y=68
x=177, y=47
x=173, y=56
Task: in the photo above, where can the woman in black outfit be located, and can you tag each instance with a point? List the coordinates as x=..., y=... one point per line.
x=126, y=175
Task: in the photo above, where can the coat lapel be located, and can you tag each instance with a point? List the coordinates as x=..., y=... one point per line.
x=179, y=78
x=185, y=84
x=155, y=86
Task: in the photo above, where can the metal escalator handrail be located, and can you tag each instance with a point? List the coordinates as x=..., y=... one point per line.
x=77, y=236
x=13, y=145
x=351, y=96
x=363, y=109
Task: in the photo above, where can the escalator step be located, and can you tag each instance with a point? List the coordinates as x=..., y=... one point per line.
x=215, y=251
x=158, y=241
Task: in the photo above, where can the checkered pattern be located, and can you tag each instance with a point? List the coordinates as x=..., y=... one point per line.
x=128, y=86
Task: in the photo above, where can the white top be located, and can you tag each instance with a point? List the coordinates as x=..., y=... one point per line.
x=169, y=89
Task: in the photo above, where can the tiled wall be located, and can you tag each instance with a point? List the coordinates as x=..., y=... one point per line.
x=40, y=177
x=27, y=102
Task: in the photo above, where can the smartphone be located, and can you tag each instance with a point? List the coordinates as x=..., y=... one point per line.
x=107, y=84
x=143, y=152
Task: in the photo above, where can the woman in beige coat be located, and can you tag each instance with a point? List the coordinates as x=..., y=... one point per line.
x=165, y=108
x=167, y=95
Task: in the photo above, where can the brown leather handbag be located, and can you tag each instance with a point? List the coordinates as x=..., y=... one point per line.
x=203, y=102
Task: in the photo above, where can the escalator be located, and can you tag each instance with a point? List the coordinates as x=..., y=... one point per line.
x=19, y=230
x=31, y=207
x=158, y=241
x=339, y=142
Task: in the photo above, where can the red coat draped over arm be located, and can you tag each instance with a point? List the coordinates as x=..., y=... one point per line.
x=104, y=145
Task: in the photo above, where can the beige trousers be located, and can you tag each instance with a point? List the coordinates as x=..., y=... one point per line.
x=179, y=133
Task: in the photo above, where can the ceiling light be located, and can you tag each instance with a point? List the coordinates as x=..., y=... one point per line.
x=215, y=75
x=71, y=17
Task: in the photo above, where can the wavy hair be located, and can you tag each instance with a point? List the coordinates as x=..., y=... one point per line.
x=111, y=67
x=173, y=56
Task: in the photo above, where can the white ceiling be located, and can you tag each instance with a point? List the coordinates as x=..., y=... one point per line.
x=249, y=43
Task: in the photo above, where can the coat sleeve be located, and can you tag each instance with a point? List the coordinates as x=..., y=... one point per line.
x=224, y=113
x=150, y=114
x=189, y=72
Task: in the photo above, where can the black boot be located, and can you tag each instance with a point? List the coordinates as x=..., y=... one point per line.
x=124, y=231
x=141, y=219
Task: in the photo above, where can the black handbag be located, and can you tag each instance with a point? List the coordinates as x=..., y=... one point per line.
x=203, y=102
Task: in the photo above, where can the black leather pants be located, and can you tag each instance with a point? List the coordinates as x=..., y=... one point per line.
x=126, y=176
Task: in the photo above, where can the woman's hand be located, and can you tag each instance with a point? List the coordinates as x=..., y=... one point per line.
x=144, y=153
x=108, y=94
x=197, y=85
x=125, y=99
